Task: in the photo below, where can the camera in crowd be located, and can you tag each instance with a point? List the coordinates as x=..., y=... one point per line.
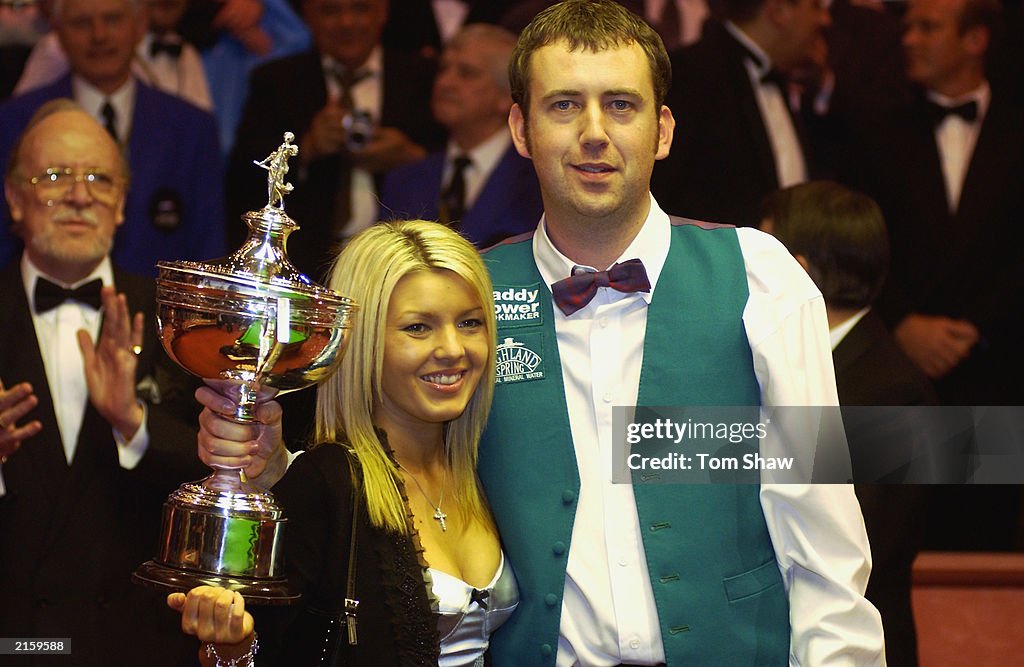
x=358, y=130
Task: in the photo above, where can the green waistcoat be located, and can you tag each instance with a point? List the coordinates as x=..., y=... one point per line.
x=716, y=583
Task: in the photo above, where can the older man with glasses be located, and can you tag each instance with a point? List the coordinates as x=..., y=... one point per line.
x=85, y=461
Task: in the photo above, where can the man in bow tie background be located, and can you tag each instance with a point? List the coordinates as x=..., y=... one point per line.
x=88, y=455
x=946, y=170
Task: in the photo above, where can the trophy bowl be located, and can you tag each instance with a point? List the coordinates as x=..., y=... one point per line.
x=250, y=320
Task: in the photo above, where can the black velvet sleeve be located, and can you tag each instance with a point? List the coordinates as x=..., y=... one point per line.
x=318, y=514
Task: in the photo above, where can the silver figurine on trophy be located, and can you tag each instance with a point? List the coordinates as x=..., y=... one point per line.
x=252, y=320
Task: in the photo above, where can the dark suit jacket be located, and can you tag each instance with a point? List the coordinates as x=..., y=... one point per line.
x=963, y=265
x=508, y=204
x=285, y=95
x=412, y=27
x=721, y=164
x=173, y=156
x=872, y=371
x=70, y=536
x=395, y=624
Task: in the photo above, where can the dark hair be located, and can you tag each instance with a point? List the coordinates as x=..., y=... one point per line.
x=742, y=11
x=840, y=232
x=985, y=13
x=594, y=25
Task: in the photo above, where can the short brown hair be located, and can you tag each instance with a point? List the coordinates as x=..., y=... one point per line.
x=985, y=13
x=842, y=235
x=594, y=25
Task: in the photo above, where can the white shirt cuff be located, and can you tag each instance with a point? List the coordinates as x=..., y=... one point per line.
x=130, y=452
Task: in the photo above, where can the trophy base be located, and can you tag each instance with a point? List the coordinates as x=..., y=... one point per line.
x=273, y=592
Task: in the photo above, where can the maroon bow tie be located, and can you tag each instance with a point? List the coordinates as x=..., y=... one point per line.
x=576, y=291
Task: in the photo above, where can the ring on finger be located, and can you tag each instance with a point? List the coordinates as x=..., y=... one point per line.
x=136, y=349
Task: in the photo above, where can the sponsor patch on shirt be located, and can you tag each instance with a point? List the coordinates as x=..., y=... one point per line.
x=518, y=305
x=518, y=358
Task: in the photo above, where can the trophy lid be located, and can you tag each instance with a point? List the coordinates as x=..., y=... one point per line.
x=259, y=273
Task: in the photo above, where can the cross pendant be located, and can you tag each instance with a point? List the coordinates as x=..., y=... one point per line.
x=440, y=516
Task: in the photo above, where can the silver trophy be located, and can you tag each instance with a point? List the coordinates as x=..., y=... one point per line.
x=251, y=320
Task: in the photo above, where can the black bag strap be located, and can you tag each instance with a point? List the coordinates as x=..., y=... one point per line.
x=351, y=603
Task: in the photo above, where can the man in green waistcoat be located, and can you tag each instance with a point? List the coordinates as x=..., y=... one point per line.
x=648, y=574
x=613, y=303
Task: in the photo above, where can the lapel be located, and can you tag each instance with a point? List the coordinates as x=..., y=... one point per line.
x=496, y=192
x=857, y=342
x=391, y=100
x=433, y=182
x=308, y=94
x=924, y=165
x=41, y=459
x=998, y=147
x=746, y=103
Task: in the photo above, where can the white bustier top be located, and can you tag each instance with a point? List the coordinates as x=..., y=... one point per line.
x=469, y=615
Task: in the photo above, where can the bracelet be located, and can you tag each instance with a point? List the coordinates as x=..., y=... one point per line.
x=247, y=659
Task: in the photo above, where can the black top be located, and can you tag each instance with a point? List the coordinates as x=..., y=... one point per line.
x=395, y=624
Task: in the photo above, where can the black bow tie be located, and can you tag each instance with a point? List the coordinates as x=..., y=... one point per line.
x=776, y=78
x=49, y=295
x=480, y=597
x=938, y=112
x=158, y=46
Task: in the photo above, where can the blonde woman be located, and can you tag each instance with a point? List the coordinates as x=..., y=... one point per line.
x=398, y=427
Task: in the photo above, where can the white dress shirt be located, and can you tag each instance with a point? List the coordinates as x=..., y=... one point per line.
x=56, y=334
x=484, y=159
x=692, y=15
x=956, y=138
x=837, y=333
x=608, y=612
x=367, y=96
x=122, y=100
x=449, y=15
x=790, y=166
x=184, y=76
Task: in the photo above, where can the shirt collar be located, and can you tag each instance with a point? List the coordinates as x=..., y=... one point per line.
x=650, y=246
x=982, y=95
x=755, y=54
x=92, y=100
x=837, y=333
x=373, y=66
x=30, y=273
x=485, y=155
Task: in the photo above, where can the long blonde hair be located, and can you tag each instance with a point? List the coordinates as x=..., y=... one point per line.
x=367, y=271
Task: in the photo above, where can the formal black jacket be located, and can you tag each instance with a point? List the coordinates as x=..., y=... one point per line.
x=395, y=624
x=412, y=27
x=720, y=165
x=71, y=536
x=968, y=264
x=872, y=371
x=285, y=95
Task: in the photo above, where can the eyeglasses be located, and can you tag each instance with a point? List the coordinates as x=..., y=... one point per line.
x=56, y=182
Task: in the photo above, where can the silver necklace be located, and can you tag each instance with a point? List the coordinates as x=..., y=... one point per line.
x=439, y=516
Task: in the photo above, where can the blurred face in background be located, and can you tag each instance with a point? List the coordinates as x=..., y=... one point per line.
x=99, y=38
x=467, y=96
x=938, y=54
x=346, y=30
